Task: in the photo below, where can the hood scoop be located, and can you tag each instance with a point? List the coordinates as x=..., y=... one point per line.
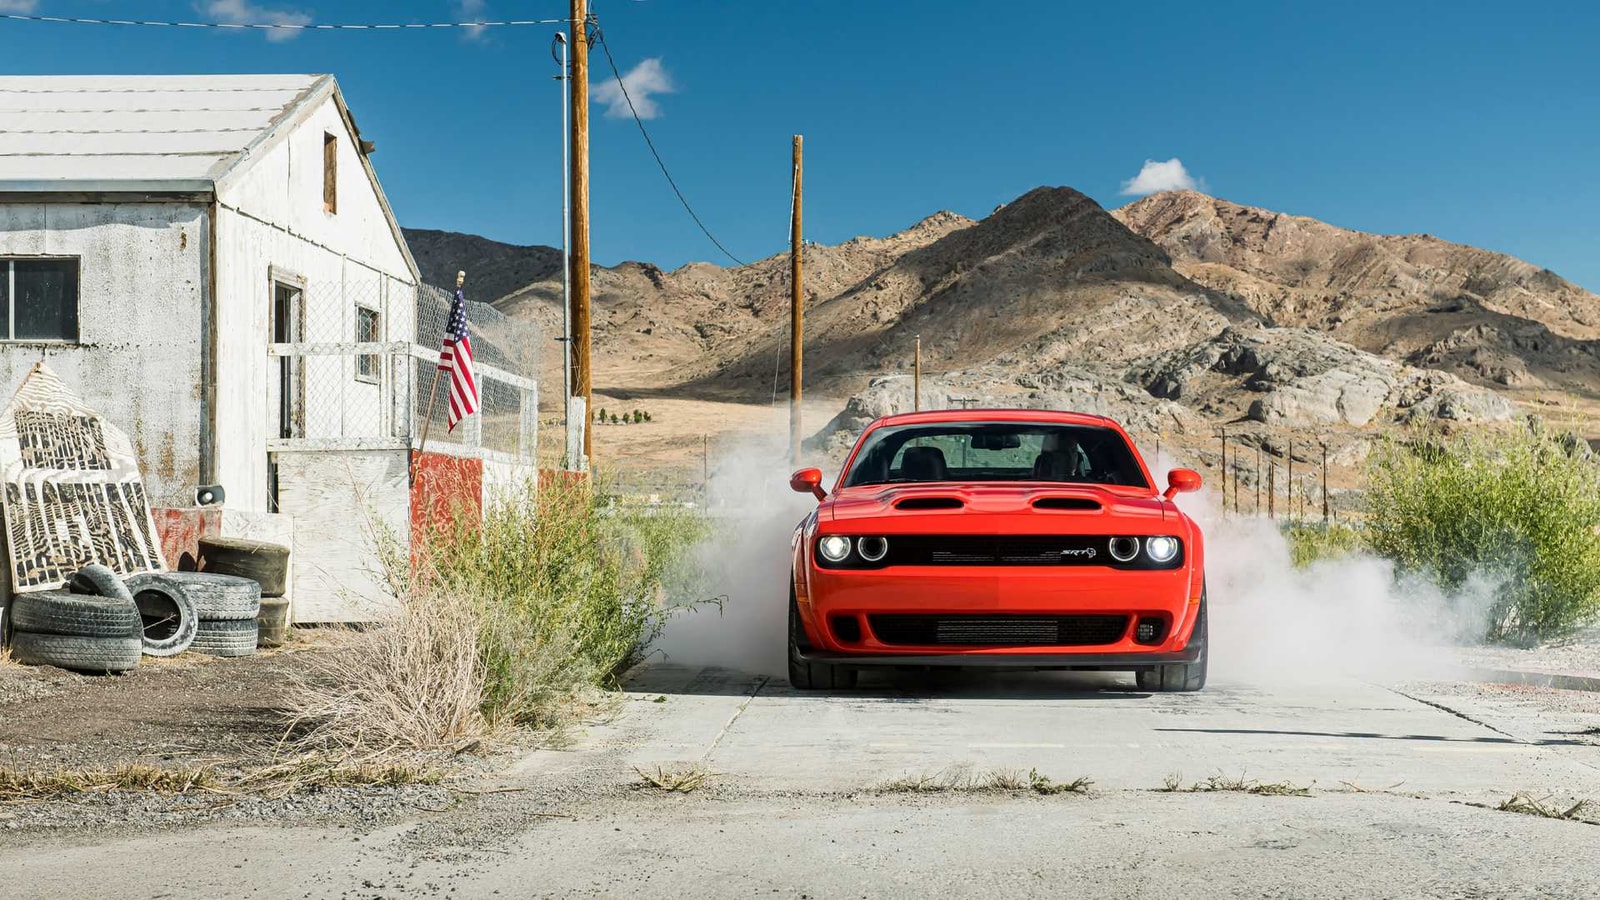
x=929, y=503
x=1070, y=504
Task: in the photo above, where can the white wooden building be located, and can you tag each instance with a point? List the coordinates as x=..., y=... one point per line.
x=211, y=262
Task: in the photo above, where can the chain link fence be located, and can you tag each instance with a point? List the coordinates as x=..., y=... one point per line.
x=356, y=367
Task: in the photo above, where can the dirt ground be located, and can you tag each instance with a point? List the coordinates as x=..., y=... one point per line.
x=185, y=711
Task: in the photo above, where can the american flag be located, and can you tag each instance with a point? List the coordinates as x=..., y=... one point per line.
x=455, y=357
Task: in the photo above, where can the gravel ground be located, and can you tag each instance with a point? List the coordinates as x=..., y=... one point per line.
x=1576, y=655
x=183, y=713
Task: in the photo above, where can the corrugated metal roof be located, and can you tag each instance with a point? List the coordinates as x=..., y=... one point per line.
x=143, y=132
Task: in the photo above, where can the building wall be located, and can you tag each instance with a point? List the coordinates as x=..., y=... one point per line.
x=271, y=223
x=137, y=362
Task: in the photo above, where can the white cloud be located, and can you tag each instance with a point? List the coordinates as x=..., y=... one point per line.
x=1161, y=176
x=643, y=80
x=472, y=11
x=19, y=6
x=242, y=12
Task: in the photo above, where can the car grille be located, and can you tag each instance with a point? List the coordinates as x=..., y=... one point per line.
x=988, y=550
x=998, y=631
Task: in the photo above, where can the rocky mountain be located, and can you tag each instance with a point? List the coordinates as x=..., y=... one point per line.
x=494, y=269
x=1175, y=314
x=1488, y=317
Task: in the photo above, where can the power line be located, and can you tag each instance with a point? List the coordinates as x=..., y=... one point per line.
x=600, y=36
x=281, y=26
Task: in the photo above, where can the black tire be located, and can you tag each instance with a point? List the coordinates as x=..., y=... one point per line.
x=167, y=618
x=99, y=581
x=96, y=655
x=264, y=563
x=226, y=637
x=79, y=615
x=1181, y=677
x=215, y=597
x=273, y=623
x=812, y=676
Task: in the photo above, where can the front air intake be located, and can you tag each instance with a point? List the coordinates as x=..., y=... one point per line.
x=998, y=630
x=929, y=503
x=1072, y=504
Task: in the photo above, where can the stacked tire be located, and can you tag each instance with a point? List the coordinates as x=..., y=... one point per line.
x=92, y=627
x=225, y=608
x=266, y=564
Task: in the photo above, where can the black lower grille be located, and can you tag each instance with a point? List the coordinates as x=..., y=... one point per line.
x=998, y=631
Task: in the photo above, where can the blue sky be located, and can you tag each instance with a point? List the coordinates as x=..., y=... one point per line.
x=1473, y=121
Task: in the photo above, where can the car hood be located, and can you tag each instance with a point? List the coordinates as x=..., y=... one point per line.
x=1021, y=508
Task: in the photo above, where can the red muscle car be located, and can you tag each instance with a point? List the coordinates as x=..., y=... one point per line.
x=1025, y=538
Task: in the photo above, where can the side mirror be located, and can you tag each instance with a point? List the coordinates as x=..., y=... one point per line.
x=808, y=481
x=1181, y=481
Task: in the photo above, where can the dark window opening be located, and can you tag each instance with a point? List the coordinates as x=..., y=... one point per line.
x=330, y=173
x=367, y=332
x=39, y=299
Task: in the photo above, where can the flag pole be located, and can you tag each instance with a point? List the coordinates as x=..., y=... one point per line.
x=427, y=419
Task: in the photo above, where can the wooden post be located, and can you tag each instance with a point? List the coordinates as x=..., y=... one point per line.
x=1258, y=479
x=1325, y=517
x=578, y=85
x=1289, y=481
x=796, y=307
x=1222, y=470
x=1272, y=489
x=916, y=378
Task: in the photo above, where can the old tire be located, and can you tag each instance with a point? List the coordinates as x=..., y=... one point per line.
x=1181, y=677
x=167, y=618
x=226, y=637
x=80, y=615
x=266, y=564
x=76, y=652
x=805, y=675
x=215, y=597
x=99, y=581
x=273, y=622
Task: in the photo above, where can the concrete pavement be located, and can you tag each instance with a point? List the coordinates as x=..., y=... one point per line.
x=1403, y=784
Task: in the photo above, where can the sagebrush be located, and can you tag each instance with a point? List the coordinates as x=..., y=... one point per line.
x=1519, y=508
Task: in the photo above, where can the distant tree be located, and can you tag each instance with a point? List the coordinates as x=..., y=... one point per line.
x=614, y=419
x=601, y=417
x=647, y=417
x=638, y=416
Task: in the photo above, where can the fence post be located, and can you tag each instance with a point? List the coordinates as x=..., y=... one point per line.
x=1326, y=518
x=1272, y=489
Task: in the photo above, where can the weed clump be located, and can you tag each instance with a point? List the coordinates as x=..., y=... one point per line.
x=1520, y=508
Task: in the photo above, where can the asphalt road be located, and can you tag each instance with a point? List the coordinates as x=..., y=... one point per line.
x=1403, y=784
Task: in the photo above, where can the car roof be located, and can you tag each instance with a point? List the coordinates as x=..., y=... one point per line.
x=1045, y=416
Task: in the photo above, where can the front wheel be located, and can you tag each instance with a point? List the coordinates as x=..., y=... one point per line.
x=812, y=676
x=1180, y=676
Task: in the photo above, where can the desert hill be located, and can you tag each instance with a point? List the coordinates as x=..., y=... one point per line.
x=1486, y=316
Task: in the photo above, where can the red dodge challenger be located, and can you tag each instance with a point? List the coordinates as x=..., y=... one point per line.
x=1025, y=538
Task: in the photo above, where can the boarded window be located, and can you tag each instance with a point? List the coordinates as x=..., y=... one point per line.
x=330, y=173
x=367, y=332
x=39, y=299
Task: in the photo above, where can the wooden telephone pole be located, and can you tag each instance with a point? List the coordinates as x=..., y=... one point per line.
x=796, y=309
x=916, y=378
x=578, y=83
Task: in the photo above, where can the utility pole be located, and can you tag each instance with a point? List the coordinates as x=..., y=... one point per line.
x=796, y=309
x=1325, y=518
x=1288, y=481
x=916, y=379
x=1222, y=469
x=578, y=85
x=567, y=455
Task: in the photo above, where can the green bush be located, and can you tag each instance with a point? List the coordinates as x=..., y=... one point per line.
x=1520, y=508
x=1310, y=543
x=569, y=590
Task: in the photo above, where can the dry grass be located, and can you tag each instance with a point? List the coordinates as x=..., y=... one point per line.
x=673, y=781
x=1529, y=805
x=963, y=779
x=1173, y=784
x=310, y=772
x=416, y=682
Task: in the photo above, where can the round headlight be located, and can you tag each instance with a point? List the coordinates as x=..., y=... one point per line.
x=872, y=549
x=1161, y=549
x=1124, y=549
x=834, y=548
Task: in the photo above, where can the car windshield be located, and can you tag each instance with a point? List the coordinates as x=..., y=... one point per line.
x=995, y=451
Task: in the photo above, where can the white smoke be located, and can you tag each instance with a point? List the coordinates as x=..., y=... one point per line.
x=1270, y=622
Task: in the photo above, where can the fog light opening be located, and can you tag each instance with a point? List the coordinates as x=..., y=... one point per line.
x=1150, y=630
x=1124, y=549
x=846, y=628
x=873, y=549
